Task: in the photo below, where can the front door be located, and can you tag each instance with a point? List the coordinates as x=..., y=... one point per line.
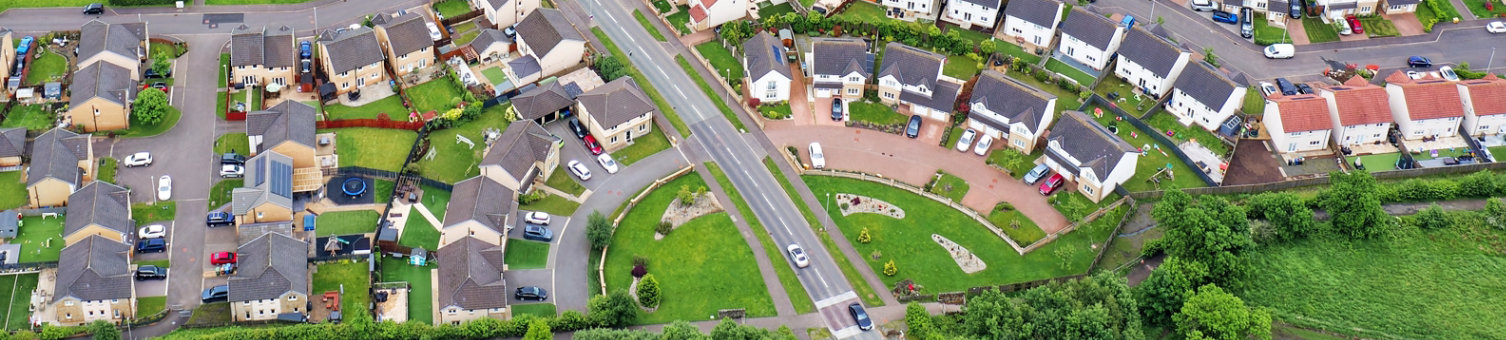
x=630, y=135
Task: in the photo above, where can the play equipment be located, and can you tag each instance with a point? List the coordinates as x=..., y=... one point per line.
x=353, y=187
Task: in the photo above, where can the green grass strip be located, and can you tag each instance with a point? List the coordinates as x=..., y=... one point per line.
x=669, y=112
x=642, y=20
x=792, y=287
x=720, y=105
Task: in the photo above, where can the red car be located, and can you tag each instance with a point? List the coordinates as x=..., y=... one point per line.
x=1354, y=23
x=1051, y=184
x=592, y=145
x=222, y=258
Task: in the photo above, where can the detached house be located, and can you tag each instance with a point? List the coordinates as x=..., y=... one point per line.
x=98, y=209
x=911, y=10
x=505, y=13
x=1298, y=123
x=268, y=192
x=1401, y=6
x=706, y=14
x=840, y=67
x=1089, y=39
x=406, y=41
x=94, y=283
x=287, y=129
x=544, y=104
x=616, y=113
x=1360, y=112
x=1150, y=62
x=1338, y=9
x=912, y=76
x=61, y=162
x=262, y=56
x=12, y=148
x=271, y=278
x=352, y=59
x=479, y=209
x=1204, y=95
x=969, y=13
x=523, y=155
x=549, y=46
x=768, y=74
x=100, y=97
x=1484, y=105
x=123, y=45
x=1032, y=22
x=470, y=284
x=1008, y=109
x=1423, y=108
x=1087, y=154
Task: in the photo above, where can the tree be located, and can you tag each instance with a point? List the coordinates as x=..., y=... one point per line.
x=538, y=330
x=1209, y=57
x=1213, y=313
x=988, y=47
x=612, y=310
x=103, y=330
x=919, y=322
x=610, y=67
x=150, y=107
x=1097, y=307
x=161, y=64
x=864, y=237
x=1292, y=218
x=598, y=230
x=1354, y=206
x=1208, y=230
x=1065, y=254
x=682, y=330
x=648, y=291
x=1167, y=288
x=686, y=197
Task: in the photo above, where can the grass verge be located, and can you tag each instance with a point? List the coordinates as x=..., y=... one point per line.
x=669, y=112
x=792, y=287
x=711, y=94
x=648, y=26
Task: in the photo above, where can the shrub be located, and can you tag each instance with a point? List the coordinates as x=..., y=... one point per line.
x=1495, y=213
x=686, y=197
x=640, y=260
x=569, y=320
x=1041, y=76
x=1004, y=206
x=864, y=237
x=1433, y=218
x=532, y=197
x=648, y=292
x=612, y=310
x=639, y=270
x=664, y=228
x=890, y=269
x=598, y=231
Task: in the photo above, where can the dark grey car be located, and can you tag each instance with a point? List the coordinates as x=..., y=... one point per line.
x=912, y=130
x=537, y=233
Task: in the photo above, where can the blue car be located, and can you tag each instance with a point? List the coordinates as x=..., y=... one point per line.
x=305, y=50
x=1419, y=61
x=1225, y=17
x=25, y=47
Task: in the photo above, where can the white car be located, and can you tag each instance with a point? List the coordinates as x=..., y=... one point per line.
x=1496, y=27
x=1344, y=29
x=983, y=144
x=1448, y=73
x=798, y=254
x=232, y=171
x=579, y=170
x=966, y=140
x=1280, y=51
x=434, y=31
x=152, y=231
x=138, y=159
x=607, y=162
x=536, y=217
x=818, y=159
x=165, y=188
x=1268, y=89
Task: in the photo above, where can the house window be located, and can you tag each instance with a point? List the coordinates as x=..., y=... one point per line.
x=68, y=303
x=1017, y=31
x=293, y=298
x=888, y=95
x=117, y=313
x=1019, y=142
x=852, y=91
x=404, y=56
x=1087, y=189
x=614, y=139
x=1365, y=9
x=1312, y=143
x=1071, y=50
x=346, y=73
x=68, y=316
x=773, y=86
x=643, y=127
x=96, y=111
x=769, y=95
x=1482, y=127
x=345, y=85
x=852, y=79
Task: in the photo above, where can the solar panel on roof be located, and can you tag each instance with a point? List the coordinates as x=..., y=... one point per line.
x=282, y=179
x=778, y=52
x=260, y=171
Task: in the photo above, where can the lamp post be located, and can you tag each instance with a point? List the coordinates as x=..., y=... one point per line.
x=828, y=202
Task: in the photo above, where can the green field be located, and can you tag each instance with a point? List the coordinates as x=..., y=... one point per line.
x=138, y=129
x=1319, y=32
x=526, y=254
x=420, y=285
x=1265, y=32
x=722, y=61
x=144, y=213
x=1082, y=78
x=961, y=67
x=558, y=179
x=106, y=169
x=455, y=161
x=678, y=21
x=419, y=233
x=452, y=8
x=1024, y=234
x=1128, y=101
x=346, y=223
x=792, y=287
x=9, y=4
x=382, y=149
x=553, y=204
x=864, y=11
x=1164, y=121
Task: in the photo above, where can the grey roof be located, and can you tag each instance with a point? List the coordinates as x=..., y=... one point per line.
x=288, y=121
x=95, y=268
x=1402, y=2
x=262, y=47
x=841, y=56
x=97, y=37
x=268, y=266
x=911, y=65
x=487, y=38
x=352, y=49
x=12, y=142
x=1091, y=28
x=101, y=203
x=55, y=154
x=269, y=178
x=1151, y=52
x=994, y=4
x=482, y=200
x=407, y=33
x=1280, y=6
x=1039, y=12
x=1088, y=142
x=943, y=97
x=470, y=275
x=525, y=66
x=616, y=102
x=1207, y=85
x=520, y=146
x=1018, y=102
x=9, y=221
x=496, y=4
x=1334, y=6
x=544, y=29
x=763, y=54
x=102, y=80
x=542, y=101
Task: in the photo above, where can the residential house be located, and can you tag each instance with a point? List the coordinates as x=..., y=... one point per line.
x=267, y=194
x=616, y=113
x=911, y=10
x=271, y=278
x=768, y=73
x=1003, y=107
x=525, y=154
x=7, y=52
x=100, y=97
x=969, y=13
x=1401, y=6
x=1089, y=39
x=1299, y=123
x=549, y=45
x=1360, y=112
x=12, y=148
x=1206, y=96
x=545, y=103
x=840, y=67
x=1149, y=62
x=61, y=162
x=480, y=209
x=707, y=14
x=470, y=284
x=1086, y=153
x=94, y=283
x=1484, y=106
x=352, y=58
x=912, y=76
x=1032, y=22
x=1429, y=107
x=491, y=45
x=405, y=39
x=505, y=13
x=98, y=209
x=1259, y=6
x=123, y=45
x=262, y=56
x=1338, y=9
x=287, y=129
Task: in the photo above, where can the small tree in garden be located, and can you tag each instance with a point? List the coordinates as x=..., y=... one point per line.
x=664, y=228
x=685, y=196
x=648, y=291
x=538, y=330
x=988, y=47
x=150, y=107
x=610, y=68
x=612, y=310
x=598, y=230
x=890, y=269
x=1063, y=253
x=161, y=63
x=700, y=191
x=864, y=237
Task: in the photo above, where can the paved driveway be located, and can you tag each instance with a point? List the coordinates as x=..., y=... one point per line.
x=575, y=149
x=543, y=278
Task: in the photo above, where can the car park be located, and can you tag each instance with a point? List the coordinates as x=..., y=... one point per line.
x=1050, y=185
x=150, y=272
x=860, y=316
x=798, y=254
x=1280, y=51
x=1225, y=17
x=218, y=293
x=537, y=233
x=818, y=159
x=966, y=140
x=232, y=170
x=1496, y=27
x=138, y=159
x=1354, y=24
x=579, y=170
x=1036, y=174
x=165, y=188
x=1286, y=87
x=578, y=129
x=94, y=9
x=836, y=109
x=536, y=217
x=1202, y=5
x=219, y=219
x=912, y=129
x=592, y=145
x=530, y=293
x=223, y=257
x=305, y=49
x=1246, y=23
x=1448, y=73
x=606, y=162
x=1419, y=61
x=1268, y=89
x=153, y=245
x=983, y=144
x=152, y=231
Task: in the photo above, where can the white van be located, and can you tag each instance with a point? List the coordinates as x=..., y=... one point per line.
x=818, y=159
x=1202, y=5
x=1280, y=51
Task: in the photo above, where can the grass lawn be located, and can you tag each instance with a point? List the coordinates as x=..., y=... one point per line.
x=452, y=8
x=1151, y=161
x=779, y=9
x=642, y=147
x=392, y=106
x=908, y=243
x=383, y=189
x=1025, y=233
x=13, y=190
x=494, y=74
x=552, y=204
x=8, y=4
x=1017, y=51
x=562, y=181
x=961, y=67
x=49, y=67
x=159, y=263
x=1082, y=78
x=787, y=279
x=952, y=137
x=545, y=310
x=1064, y=100
x=1319, y=32
x=355, y=279
x=1445, y=14
x=253, y=2
x=648, y=26
x=1475, y=6
x=232, y=142
x=31, y=117
x=382, y=149
x=225, y=67
x=211, y=314
x=346, y=222
x=807, y=3
x=864, y=11
x=465, y=33
x=139, y=129
x=1377, y=162
x=169, y=50
x=36, y=233
x=107, y=167
x=220, y=107
x=1017, y=163
x=1265, y=32
x=662, y=6
x=711, y=94
x=434, y=95
x=420, y=285
x=148, y=306
x=219, y=194
x=144, y=213
x=436, y=200
x=526, y=254
x=678, y=20
x=648, y=88
x=1165, y=121
x=951, y=186
x=777, y=111
x=454, y=161
x=722, y=61
x=1254, y=101
x=874, y=113
x=702, y=266
x=1379, y=27
x=1128, y=101
x=18, y=312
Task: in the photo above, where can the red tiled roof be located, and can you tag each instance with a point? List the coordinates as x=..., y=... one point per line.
x=1303, y=113
x=708, y=3
x=1359, y=105
x=697, y=13
x=1488, y=95
x=1429, y=97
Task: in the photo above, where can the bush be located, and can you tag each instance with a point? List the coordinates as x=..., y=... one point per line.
x=598, y=231
x=664, y=228
x=612, y=310
x=640, y=261
x=569, y=320
x=648, y=292
x=1004, y=206
x=864, y=237
x=686, y=197
x=890, y=269
x=1426, y=190
x=532, y=197
x=639, y=270
x=1433, y=218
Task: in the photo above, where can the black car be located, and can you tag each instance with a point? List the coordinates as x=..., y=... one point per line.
x=860, y=316
x=912, y=130
x=1304, y=89
x=151, y=273
x=1286, y=86
x=836, y=109
x=155, y=245
x=1419, y=61
x=1246, y=23
x=94, y=9
x=233, y=158
x=218, y=293
x=150, y=73
x=1296, y=10
x=531, y=293
x=579, y=130
x=219, y=219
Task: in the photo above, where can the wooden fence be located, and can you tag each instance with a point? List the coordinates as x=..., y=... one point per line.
x=922, y=192
x=371, y=123
x=601, y=273
x=1070, y=227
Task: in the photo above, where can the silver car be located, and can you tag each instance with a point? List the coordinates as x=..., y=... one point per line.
x=798, y=254
x=579, y=170
x=966, y=140
x=1036, y=174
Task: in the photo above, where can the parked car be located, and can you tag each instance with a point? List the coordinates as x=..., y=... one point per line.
x=1225, y=17
x=1304, y=89
x=138, y=159
x=860, y=316
x=1448, y=73
x=151, y=73
x=912, y=129
x=536, y=217
x=592, y=145
x=1202, y=5
x=537, y=233
x=154, y=245
x=1496, y=27
x=510, y=31
x=152, y=231
x=1036, y=174
x=219, y=219
x=164, y=188
x=966, y=140
x=577, y=128
x=1296, y=10
x=818, y=158
x=798, y=254
x=1419, y=61
x=305, y=49
x=306, y=66
x=232, y=171
x=160, y=86
x=94, y=9
x=1280, y=51
x=232, y=158
x=1246, y=22
x=1345, y=30
x=1267, y=88
x=218, y=293
x=434, y=31
x=531, y=293
x=223, y=257
x=984, y=143
x=1286, y=86
x=1354, y=23
x=579, y=170
x=1050, y=185
x=606, y=162
x=836, y=109
x=150, y=272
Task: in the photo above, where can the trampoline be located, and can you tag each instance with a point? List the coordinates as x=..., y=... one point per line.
x=353, y=187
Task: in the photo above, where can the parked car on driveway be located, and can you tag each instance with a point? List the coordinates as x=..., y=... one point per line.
x=836, y=109
x=912, y=129
x=94, y=9
x=818, y=158
x=531, y=293
x=150, y=272
x=1295, y=10
x=606, y=162
x=1036, y=174
x=1354, y=23
x=1246, y=22
x=219, y=219
x=579, y=170
x=537, y=233
x=1419, y=61
x=155, y=245
x=1286, y=87
x=1050, y=185
x=138, y=159
x=1304, y=89
x=216, y=294
x=579, y=130
x=165, y=188
x=1267, y=89
x=592, y=145
x=232, y=158
x=536, y=217
x=1202, y=5
x=232, y=170
x=984, y=142
x=152, y=231
x=223, y=257
x=1448, y=73
x=305, y=49
x=966, y=140
x=1225, y=17
x=798, y=254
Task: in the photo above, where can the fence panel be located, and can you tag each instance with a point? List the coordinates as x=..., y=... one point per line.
x=372, y=123
x=1323, y=180
x=1160, y=138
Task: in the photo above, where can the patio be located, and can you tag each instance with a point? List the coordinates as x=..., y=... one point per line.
x=370, y=93
x=1311, y=165
x=1418, y=146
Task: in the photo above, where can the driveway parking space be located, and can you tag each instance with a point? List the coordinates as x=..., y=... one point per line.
x=822, y=114
x=151, y=288
x=543, y=278
x=575, y=149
